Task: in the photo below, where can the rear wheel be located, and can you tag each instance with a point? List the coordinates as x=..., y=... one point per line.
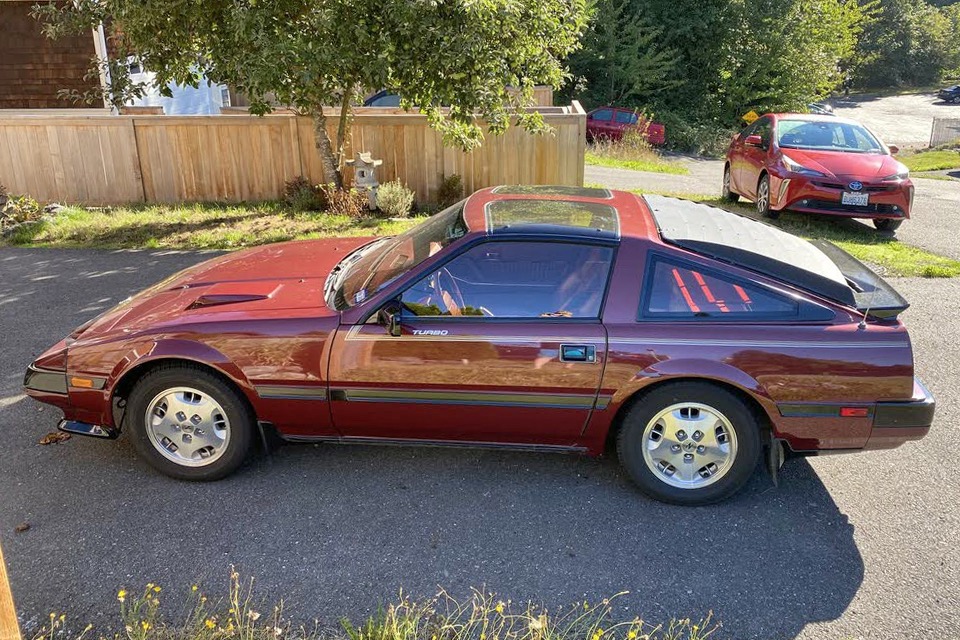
x=763, y=199
x=189, y=423
x=689, y=443
x=886, y=224
x=727, y=193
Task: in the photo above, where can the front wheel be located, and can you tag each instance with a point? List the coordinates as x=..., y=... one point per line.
x=189, y=423
x=728, y=194
x=763, y=199
x=887, y=224
x=689, y=443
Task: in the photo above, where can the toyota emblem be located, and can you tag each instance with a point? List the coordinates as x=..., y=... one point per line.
x=856, y=186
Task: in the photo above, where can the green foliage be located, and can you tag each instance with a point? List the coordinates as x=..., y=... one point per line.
x=450, y=190
x=121, y=90
x=300, y=195
x=394, y=199
x=309, y=53
x=907, y=43
x=622, y=61
x=15, y=209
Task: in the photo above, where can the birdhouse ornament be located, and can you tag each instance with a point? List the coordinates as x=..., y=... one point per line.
x=365, y=176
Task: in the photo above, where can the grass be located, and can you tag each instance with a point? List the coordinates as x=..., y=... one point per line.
x=482, y=616
x=195, y=226
x=934, y=160
x=631, y=152
x=884, y=253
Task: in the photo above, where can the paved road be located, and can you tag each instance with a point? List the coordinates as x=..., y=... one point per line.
x=849, y=546
x=903, y=120
x=935, y=215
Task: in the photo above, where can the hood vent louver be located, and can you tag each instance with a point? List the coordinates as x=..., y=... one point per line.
x=216, y=300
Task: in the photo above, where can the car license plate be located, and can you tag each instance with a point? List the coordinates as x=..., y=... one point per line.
x=855, y=199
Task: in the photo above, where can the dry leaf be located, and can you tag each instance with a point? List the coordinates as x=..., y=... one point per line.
x=20, y=528
x=55, y=437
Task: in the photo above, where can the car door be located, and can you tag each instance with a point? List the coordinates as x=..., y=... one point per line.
x=601, y=122
x=754, y=159
x=502, y=344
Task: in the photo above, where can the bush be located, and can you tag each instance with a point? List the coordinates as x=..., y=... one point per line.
x=15, y=209
x=302, y=196
x=394, y=199
x=344, y=202
x=450, y=191
x=702, y=137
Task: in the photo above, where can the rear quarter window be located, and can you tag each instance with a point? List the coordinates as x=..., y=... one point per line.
x=681, y=290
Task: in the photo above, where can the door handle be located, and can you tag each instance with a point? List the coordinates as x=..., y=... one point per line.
x=578, y=353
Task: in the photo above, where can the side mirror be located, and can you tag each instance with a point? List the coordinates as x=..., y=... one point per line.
x=389, y=317
x=753, y=141
x=894, y=149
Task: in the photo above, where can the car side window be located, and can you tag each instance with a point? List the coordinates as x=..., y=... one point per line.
x=764, y=129
x=626, y=117
x=515, y=279
x=602, y=115
x=684, y=291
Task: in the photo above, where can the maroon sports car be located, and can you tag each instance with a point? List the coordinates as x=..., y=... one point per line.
x=546, y=318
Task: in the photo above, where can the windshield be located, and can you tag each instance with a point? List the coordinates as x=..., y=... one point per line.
x=376, y=268
x=826, y=135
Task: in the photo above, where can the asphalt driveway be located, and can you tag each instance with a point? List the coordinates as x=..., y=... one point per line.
x=848, y=546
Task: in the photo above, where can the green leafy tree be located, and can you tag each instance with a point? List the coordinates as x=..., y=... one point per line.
x=622, y=61
x=909, y=43
x=478, y=57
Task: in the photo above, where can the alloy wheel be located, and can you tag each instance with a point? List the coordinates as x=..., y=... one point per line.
x=187, y=426
x=689, y=445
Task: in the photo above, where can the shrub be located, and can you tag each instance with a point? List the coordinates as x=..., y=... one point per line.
x=344, y=202
x=302, y=196
x=15, y=209
x=702, y=137
x=395, y=199
x=450, y=190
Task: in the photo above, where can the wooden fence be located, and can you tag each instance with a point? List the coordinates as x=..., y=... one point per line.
x=9, y=628
x=102, y=159
x=945, y=131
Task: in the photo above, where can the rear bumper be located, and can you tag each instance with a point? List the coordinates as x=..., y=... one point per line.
x=897, y=422
x=892, y=201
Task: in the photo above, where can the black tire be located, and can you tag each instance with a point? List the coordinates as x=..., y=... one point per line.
x=887, y=224
x=726, y=192
x=240, y=419
x=763, y=199
x=745, y=425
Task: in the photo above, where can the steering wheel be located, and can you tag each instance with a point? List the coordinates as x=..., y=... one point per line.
x=445, y=286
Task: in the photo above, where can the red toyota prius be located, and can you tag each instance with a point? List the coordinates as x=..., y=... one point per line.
x=817, y=164
x=555, y=319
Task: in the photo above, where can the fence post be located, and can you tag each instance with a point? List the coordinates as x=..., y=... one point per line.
x=9, y=627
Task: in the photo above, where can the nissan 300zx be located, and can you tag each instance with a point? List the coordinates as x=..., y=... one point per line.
x=694, y=341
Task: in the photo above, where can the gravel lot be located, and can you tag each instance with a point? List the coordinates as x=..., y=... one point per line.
x=847, y=547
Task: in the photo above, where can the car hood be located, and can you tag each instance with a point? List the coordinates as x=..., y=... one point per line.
x=255, y=283
x=850, y=166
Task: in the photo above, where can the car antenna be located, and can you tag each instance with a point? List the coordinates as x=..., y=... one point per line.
x=866, y=312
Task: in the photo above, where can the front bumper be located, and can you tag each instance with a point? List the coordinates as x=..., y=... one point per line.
x=897, y=422
x=55, y=387
x=891, y=200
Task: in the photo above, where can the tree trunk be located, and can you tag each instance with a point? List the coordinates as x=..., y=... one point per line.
x=331, y=169
x=346, y=112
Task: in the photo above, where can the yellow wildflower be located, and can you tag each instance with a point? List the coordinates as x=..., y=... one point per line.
x=631, y=634
x=499, y=607
x=210, y=624
x=122, y=595
x=156, y=589
x=145, y=625
x=194, y=588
